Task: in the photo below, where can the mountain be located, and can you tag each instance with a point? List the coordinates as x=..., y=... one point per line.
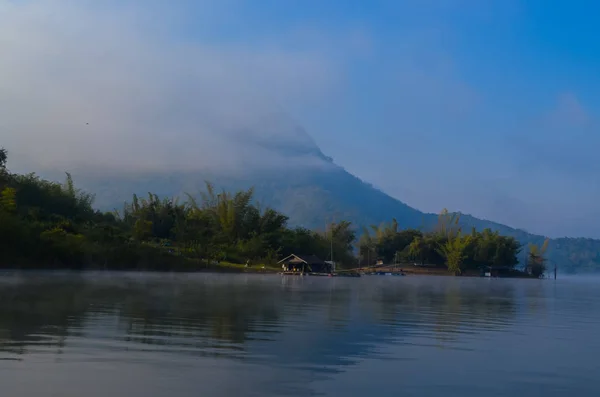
x=314, y=196
x=312, y=190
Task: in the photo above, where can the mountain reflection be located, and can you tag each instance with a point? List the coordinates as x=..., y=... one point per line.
x=298, y=322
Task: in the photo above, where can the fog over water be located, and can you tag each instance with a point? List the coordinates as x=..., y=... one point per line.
x=184, y=335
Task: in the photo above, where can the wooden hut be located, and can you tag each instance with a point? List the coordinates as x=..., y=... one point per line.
x=304, y=264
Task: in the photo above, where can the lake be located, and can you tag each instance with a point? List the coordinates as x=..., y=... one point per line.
x=125, y=334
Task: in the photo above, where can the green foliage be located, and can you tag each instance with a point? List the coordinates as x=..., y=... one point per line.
x=444, y=245
x=142, y=230
x=49, y=224
x=309, y=197
x=448, y=224
x=8, y=202
x=45, y=223
x=3, y=159
x=64, y=247
x=536, y=260
x=454, y=250
x=424, y=249
x=389, y=244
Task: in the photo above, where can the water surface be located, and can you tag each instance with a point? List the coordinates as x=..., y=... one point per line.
x=150, y=335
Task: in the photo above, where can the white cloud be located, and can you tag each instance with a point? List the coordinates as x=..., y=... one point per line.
x=83, y=84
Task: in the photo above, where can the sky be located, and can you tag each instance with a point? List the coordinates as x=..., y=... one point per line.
x=485, y=107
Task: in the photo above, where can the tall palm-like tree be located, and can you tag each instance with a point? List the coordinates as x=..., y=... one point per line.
x=536, y=260
x=454, y=251
x=448, y=223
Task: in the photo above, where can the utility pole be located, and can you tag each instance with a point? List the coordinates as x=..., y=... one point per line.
x=331, y=242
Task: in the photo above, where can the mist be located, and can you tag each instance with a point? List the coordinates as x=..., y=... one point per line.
x=148, y=86
x=114, y=87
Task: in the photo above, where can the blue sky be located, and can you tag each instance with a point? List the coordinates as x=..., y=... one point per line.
x=487, y=107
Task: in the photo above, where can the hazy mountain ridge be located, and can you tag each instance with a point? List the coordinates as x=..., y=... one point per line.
x=290, y=173
x=312, y=197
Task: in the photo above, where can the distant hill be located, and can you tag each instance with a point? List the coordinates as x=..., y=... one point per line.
x=291, y=174
x=314, y=196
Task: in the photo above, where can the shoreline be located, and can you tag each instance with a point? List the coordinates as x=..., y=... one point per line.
x=221, y=268
x=177, y=264
x=230, y=268
x=438, y=271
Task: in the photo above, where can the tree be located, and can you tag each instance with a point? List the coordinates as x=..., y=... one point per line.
x=418, y=249
x=67, y=248
x=536, y=261
x=448, y=223
x=142, y=230
x=386, y=242
x=343, y=236
x=454, y=251
x=8, y=201
x=366, y=245
x=48, y=222
x=489, y=248
x=3, y=159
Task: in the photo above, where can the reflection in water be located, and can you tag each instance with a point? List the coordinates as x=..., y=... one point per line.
x=223, y=313
x=284, y=336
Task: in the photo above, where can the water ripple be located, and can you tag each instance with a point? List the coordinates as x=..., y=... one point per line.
x=303, y=336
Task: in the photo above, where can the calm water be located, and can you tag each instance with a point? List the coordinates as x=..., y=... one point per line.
x=209, y=335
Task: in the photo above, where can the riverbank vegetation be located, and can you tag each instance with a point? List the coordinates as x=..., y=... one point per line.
x=53, y=225
x=46, y=224
x=446, y=245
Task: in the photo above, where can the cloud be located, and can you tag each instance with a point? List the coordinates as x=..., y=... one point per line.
x=143, y=85
x=110, y=85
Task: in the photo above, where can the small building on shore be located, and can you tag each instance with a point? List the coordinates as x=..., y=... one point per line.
x=305, y=264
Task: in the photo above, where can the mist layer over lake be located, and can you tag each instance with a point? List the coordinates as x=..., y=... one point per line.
x=124, y=334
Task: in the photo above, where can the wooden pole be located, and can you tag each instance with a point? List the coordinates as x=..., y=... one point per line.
x=332, y=243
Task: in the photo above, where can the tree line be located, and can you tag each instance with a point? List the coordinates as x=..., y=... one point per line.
x=54, y=225
x=448, y=245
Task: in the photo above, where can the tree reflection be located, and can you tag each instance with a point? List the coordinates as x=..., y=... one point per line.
x=292, y=320
x=446, y=307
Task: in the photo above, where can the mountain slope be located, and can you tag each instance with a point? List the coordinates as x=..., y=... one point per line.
x=291, y=174
x=311, y=197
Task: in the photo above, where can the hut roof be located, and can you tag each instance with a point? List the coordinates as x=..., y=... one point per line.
x=308, y=259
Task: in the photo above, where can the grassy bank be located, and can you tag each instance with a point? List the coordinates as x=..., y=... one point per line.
x=227, y=267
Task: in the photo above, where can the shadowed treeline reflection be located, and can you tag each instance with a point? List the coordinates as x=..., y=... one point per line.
x=151, y=335
x=231, y=315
